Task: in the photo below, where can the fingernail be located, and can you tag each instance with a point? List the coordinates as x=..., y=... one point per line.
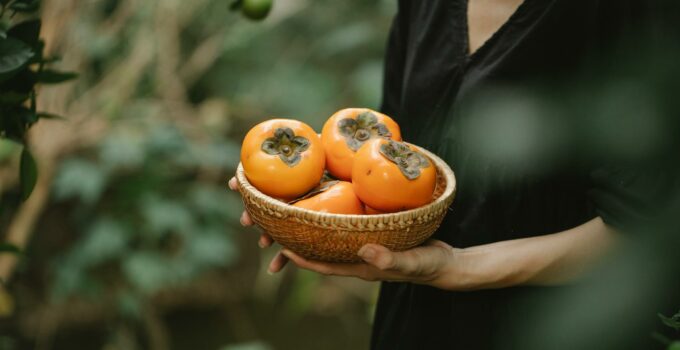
x=367, y=253
x=286, y=253
x=270, y=272
x=260, y=243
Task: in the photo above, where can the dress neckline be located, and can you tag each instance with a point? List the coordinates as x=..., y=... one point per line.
x=473, y=56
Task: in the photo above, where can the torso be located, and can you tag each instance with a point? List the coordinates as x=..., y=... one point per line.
x=485, y=17
x=429, y=82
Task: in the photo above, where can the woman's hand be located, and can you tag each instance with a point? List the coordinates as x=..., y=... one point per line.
x=431, y=264
x=541, y=260
x=427, y=264
x=265, y=240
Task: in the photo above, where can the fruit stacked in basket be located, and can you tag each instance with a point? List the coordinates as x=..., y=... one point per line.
x=325, y=196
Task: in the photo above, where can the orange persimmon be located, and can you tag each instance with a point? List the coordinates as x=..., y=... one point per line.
x=348, y=129
x=283, y=158
x=335, y=197
x=391, y=176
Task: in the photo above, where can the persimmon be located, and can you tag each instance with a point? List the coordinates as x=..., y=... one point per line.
x=391, y=176
x=333, y=197
x=283, y=158
x=348, y=129
x=372, y=211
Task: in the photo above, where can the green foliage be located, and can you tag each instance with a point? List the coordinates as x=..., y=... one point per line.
x=28, y=172
x=9, y=248
x=143, y=214
x=22, y=66
x=143, y=208
x=673, y=321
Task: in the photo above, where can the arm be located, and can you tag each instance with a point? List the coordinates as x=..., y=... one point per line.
x=542, y=260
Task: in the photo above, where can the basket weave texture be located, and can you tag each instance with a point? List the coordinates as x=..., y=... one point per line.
x=338, y=237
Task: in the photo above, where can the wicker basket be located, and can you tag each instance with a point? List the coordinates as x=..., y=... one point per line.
x=338, y=237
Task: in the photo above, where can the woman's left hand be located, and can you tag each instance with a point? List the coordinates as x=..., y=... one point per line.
x=426, y=264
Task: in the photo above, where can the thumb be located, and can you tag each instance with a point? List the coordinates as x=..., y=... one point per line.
x=386, y=260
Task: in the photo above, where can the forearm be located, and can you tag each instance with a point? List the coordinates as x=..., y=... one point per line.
x=541, y=260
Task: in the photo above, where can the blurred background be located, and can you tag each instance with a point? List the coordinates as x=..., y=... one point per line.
x=134, y=240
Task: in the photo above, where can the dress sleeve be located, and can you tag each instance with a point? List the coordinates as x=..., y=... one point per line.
x=629, y=198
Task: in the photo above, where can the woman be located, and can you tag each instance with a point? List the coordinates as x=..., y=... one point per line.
x=509, y=232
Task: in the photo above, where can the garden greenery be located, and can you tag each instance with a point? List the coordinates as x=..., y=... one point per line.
x=23, y=66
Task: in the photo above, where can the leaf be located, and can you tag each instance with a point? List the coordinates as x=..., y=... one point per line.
x=9, y=248
x=20, y=81
x=80, y=179
x=4, y=26
x=25, y=115
x=236, y=5
x=46, y=115
x=28, y=173
x=49, y=76
x=25, y=5
x=673, y=322
x=13, y=54
x=27, y=31
x=52, y=59
x=13, y=98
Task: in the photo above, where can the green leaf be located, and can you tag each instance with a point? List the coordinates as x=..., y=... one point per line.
x=46, y=115
x=25, y=5
x=9, y=248
x=236, y=5
x=13, y=54
x=25, y=115
x=27, y=31
x=673, y=322
x=81, y=179
x=4, y=26
x=52, y=59
x=13, y=98
x=49, y=76
x=674, y=345
x=28, y=173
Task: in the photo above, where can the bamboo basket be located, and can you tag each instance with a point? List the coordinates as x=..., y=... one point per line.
x=338, y=237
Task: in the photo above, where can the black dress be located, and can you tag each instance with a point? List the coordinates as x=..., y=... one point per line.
x=430, y=81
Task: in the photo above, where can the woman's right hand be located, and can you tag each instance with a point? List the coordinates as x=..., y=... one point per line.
x=279, y=261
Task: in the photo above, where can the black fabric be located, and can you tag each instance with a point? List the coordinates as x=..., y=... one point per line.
x=429, y=80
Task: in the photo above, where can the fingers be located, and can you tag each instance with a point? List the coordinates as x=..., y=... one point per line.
x=233, y=184
x=245, y=219
x=330, y=269
x=277, y=263
x=385, y=260
x=265, y=241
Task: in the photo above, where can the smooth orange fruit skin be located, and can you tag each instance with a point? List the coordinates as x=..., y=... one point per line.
x=338, y=199
x=371, y=211
x=269, y=174
x=380, y=184
x=339, y=157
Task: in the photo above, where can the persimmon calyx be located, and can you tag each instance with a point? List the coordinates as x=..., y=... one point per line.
x=409, y=161
x=286, y=145
x=359, y=130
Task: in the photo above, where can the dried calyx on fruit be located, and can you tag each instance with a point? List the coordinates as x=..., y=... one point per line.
x=409, y=161
x=286, y=145
x=359, y=130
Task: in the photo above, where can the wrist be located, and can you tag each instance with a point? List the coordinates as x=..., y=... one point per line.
x=480, y=267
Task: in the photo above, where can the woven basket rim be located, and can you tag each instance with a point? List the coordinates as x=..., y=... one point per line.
x=443, y=200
